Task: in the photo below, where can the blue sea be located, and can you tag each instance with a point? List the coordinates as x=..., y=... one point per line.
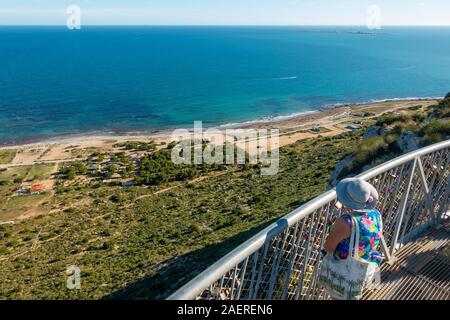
x=56, y=82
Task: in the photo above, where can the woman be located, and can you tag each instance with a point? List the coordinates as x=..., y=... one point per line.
x=359, y=199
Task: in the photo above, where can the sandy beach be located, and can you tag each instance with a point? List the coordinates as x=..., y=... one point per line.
x=330, y=121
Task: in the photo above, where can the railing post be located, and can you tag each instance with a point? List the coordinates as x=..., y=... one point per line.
x=444, y=205
x=389, y=259
x=429, y=200
x=402, y=208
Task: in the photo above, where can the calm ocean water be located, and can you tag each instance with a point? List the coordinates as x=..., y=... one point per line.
x=117, y=79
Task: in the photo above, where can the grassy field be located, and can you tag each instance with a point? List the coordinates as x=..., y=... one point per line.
x=7, y=155
x=18, y=205
x=40, y=171
x=11, y=179
x=14, y=173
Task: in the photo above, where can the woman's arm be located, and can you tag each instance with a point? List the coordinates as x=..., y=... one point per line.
x=340, y=231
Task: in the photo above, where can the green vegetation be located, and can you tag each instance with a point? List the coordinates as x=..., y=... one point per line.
x=442, y=110
x=432, y=126
x=435, y=131
x=391, y=118
x=369, y=150
x=137, y=145
x=415, y=108
x=17, y=205
x=158, y=168
x=321, y=130
x=40, y=171
x=10, y=180
x=145, y=241
x=438, y=128
x=71, y=170
x=14, y=172
x=7, y=155
x=153, y=168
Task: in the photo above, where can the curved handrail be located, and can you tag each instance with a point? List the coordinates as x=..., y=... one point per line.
x=217, y=270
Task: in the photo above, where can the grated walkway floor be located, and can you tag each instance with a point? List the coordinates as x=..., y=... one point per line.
x=422, y=270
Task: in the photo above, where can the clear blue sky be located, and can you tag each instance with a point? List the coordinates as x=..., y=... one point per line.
x=225, y=12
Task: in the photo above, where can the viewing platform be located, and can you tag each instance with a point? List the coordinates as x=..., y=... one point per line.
x=283, y=261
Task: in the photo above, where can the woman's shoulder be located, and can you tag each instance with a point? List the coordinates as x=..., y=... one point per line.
x=372, y=215
x=347, y=218
x=375, y=213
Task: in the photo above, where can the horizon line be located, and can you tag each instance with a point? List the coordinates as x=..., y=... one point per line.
x=225, y=25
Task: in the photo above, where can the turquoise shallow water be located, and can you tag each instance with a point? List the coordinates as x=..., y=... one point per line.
x=118, y=79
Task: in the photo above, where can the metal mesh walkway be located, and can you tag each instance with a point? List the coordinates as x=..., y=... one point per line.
x=422, y=269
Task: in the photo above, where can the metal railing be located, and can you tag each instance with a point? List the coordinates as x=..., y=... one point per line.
x=283, y=261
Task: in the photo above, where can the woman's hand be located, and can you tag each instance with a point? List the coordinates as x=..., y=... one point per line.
x=340, y=231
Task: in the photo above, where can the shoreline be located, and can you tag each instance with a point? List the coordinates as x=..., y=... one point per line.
x=295, y=120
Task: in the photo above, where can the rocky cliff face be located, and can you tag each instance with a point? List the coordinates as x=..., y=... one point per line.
x=408, y=142
x=374, y=131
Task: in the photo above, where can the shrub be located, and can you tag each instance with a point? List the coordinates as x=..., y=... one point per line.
x=437, y=126
x=435, y=131
x=367, y=150
x=117, y=198
x=390, y=118
x=433, y=138
x=414, y=108
x=442, y=109
x=391, y=138
x=419, y=116
x=196, y=228
x=18, y=180
x=70, y=171
x=370, y=148
x=398, y=129
x=240, y=210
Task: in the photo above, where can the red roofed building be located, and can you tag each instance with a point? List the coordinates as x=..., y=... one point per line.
x=37, y=188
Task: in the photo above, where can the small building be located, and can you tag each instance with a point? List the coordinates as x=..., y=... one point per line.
x=36, y=189
x=359, y=122
x=33, y=190
x=315, y=129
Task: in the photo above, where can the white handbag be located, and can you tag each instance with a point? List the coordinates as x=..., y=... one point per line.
x=346, y=278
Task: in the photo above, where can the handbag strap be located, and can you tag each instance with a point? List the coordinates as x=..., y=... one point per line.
x=354, y=239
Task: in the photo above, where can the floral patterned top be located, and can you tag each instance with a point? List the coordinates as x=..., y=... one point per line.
x=371, y=228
